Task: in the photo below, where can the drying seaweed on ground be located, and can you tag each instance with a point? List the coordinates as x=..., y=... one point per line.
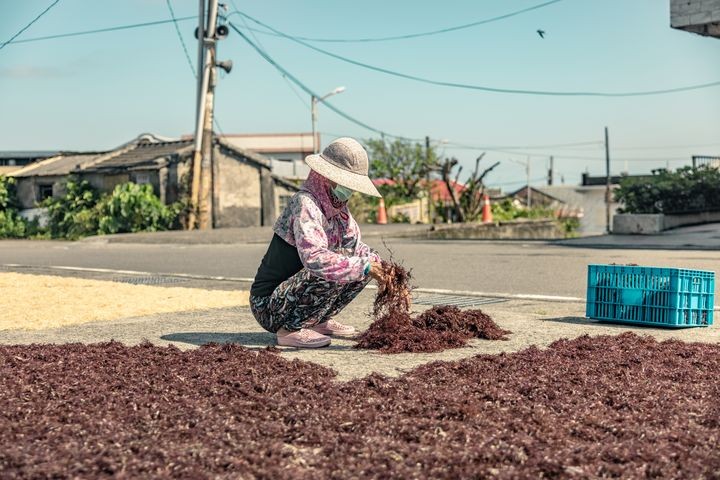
x=593, y=407
x=395, y=330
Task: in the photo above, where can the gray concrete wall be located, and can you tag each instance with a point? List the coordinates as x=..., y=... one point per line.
x=267, y=196
x=515, y=230
x=698, y=16
x=238, y=193
x=637, y=223
x=27, y=188
x=653, y=223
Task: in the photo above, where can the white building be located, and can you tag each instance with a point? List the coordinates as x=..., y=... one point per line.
x=285, y=150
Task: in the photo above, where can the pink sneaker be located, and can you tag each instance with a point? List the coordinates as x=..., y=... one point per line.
x=303, y=338
x=331, y=327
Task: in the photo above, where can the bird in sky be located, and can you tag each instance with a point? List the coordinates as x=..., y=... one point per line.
x=541, y=33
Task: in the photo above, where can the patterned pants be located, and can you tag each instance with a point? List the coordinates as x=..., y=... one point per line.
x=303, y=301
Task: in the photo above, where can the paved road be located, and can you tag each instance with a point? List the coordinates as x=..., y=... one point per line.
x=517, y=268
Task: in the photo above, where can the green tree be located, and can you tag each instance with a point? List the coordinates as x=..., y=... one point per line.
x=685, y=190
x=406, y=163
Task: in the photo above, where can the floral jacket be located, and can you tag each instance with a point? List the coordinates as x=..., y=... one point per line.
x=324, y=232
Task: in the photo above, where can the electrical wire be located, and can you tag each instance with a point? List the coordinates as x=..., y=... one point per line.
x=532, y=147
x=307, y=90
x=100, y=30
x=410, y=35
x=180, y=37
x=29, y=24
x=562, y=157
x=483, y=88
x=667, y=147
x=259, y=43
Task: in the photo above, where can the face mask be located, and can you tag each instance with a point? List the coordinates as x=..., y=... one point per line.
x=342, y=193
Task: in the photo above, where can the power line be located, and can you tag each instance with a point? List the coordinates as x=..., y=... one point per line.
x=99, y=30
x=411, y=35
x=663, y=147
x=29, y=24
x=180, y=37
x=539, y=147
x=482, y=87
x=257, y=40
x=307, y=90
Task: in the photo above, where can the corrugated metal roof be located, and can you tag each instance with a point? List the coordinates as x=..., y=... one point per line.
x=60, y=165
x=142, y=154
x=128, y=156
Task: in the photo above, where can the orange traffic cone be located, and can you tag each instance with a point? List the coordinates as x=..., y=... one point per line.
x=381, y=213
x=486, y=210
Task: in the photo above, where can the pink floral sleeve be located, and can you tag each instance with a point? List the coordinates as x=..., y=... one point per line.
x=362, y=249
x=312, y=246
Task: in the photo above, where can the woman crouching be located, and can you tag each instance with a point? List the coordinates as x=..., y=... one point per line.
x=316, y=263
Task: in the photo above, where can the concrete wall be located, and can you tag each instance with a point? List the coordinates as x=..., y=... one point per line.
x=282, y=196
x=515, y=230
x=237, y=192
x=653, y=223
x=28, y=188
x=698, y=16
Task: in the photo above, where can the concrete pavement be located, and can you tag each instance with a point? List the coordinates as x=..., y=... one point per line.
x=536, y=268
x=515, y=268
x=700, y=237
x=532, y=323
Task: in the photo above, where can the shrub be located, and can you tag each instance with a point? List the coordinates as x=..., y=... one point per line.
x=134, y=208
x=507, y=209
x=129, y=208
x=12, y=225
x=72, y=215
x=686, y=190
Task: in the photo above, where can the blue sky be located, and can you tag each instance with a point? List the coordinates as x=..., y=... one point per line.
x=98, y=91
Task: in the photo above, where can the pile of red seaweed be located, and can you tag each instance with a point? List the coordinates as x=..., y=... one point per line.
x=395, y=330
x=592, y=407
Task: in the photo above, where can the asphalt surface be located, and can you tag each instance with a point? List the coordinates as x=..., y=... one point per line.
x=511, y=267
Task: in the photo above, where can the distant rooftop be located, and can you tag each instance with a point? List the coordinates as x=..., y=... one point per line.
x=270, y=143
x=27, y=154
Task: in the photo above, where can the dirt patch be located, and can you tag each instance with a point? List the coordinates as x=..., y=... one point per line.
x=395, y=330
x=590, y=407
x=43, y=301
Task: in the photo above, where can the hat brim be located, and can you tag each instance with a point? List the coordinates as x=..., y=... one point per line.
x=353, y=181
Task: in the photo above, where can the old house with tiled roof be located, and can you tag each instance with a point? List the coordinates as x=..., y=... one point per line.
x=244, y=191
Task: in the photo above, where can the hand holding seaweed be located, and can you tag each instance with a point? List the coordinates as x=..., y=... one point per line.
x=441, y=327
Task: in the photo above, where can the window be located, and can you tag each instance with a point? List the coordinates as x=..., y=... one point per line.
x=142, y=178
x=44, y=191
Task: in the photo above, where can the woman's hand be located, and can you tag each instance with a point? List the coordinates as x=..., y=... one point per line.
x=378, y=273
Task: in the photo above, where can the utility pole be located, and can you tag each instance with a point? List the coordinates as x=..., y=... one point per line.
x=550, y=172
x=206, y=171
x=200, y=114
x=201, y=193
x=313, y=113
x=427, y=179
x=607, y=182
x=529, y=190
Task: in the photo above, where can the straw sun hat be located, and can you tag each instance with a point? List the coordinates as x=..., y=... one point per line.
x=344, y=162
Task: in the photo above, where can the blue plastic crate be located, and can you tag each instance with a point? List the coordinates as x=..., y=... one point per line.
x=668, y=297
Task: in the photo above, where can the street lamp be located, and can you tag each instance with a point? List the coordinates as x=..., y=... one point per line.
x=314, y=101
